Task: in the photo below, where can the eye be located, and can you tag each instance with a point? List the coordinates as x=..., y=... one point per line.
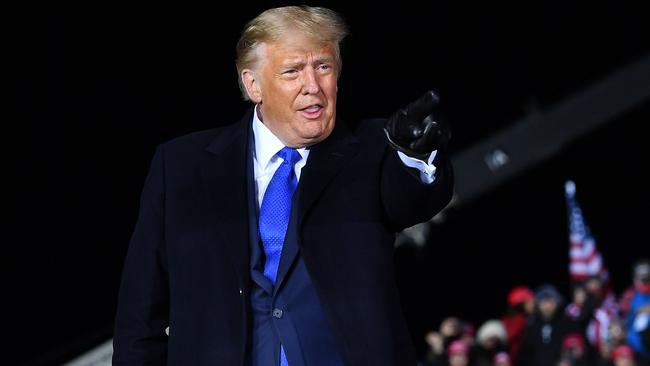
x=324, y=67
x=290, y=72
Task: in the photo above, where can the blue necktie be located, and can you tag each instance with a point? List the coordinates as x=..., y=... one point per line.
x=276, y=209
x=274, y=216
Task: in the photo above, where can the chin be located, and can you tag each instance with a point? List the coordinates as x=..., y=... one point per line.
x=318, y=134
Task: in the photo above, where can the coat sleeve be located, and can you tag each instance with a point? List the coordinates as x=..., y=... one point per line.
x=409, y=201
x=143, y=304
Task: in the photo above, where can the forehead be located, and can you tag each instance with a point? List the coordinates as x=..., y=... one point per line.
x=547, y=300
x=295, y=45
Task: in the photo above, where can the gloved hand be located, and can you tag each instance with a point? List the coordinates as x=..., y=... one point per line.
x=417, y=129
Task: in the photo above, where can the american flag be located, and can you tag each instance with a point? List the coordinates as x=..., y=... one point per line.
x=584, y=258
x=586, y=261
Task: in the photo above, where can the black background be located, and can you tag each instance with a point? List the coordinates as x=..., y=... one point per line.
x=96, y=90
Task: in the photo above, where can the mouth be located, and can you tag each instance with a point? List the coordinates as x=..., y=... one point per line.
x=312, y=111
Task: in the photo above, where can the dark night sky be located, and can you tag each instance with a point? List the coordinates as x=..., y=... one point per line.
x=94, y=94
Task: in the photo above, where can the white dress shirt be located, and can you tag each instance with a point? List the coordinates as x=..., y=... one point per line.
x=266, y=162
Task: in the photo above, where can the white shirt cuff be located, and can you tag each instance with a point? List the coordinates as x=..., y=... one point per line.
x=427, y=169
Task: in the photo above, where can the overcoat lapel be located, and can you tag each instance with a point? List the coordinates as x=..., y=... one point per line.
x=224, y=174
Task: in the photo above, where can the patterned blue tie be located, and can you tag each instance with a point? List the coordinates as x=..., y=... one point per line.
x=276, y=209
x=274, y=216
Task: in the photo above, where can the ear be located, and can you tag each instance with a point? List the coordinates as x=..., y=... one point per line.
x=252, y=85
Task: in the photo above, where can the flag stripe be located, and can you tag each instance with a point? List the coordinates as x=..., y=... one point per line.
x=584, y=258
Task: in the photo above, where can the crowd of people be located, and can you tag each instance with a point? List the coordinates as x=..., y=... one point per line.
x=539, y=329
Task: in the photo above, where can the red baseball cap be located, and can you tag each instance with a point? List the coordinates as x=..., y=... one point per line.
x=622, y=351
x=573, y=340
x=520, y=294
x=458, y=347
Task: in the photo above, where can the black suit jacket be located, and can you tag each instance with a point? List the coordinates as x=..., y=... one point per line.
x=188, y=261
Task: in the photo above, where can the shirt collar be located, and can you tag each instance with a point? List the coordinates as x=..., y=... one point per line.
x=266, y=143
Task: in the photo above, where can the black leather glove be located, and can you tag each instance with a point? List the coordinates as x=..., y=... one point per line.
x=417, y=129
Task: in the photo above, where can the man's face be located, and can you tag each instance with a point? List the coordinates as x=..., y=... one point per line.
x=628, y=361
x=595, y=287
x=547, y=307
x=295, y=85
x=579, y=295
x=458, y=360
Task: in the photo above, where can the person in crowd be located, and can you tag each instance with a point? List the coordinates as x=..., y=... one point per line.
x=638, y=319
x=623, y=355
x=491, y=338
x=615, y=336
x=592, y=311
x=574, y=351
x=502, y=359
x=435, y=351
x=458, y=353
x=438, y=342
x=467, y=333
x=543, y=336
x=521, y=303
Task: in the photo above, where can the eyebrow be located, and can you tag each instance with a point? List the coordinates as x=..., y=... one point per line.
x=324, y=59
x=292, y=64
x=319, y=60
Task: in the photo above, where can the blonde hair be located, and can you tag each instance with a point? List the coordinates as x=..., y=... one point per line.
x=322, y=24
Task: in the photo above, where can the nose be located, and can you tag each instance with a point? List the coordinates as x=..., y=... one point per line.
x=310, y=83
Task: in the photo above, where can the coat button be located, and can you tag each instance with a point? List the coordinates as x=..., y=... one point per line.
x=277, y=313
